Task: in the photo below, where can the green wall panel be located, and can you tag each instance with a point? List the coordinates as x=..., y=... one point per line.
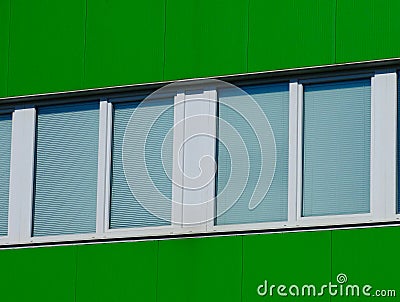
x=124, y=42
x=201, y=269
x=367, y=30
x=291, y=33
x=367, y=256
x=117, y=272
x=46, y=46
x=286, y=258
x=205, y=38
x=4, y=32
x=38, y=274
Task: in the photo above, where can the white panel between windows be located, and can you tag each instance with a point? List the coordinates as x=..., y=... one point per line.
x=21, y=176
x=199, y=158
x=383, y=161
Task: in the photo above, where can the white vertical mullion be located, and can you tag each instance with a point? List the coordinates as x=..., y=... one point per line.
x=299, y=172
x=108, y=155
x=196, y=209
x=22, y=175
x=177, y=161
x=374, y=210
x=383, y=145
x=293, y=146
x=101, y=177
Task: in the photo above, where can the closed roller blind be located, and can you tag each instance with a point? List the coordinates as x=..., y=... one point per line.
x=66, y=169
x=274, y=101
x=126, y=211
x=337, y=131
x=5, y=155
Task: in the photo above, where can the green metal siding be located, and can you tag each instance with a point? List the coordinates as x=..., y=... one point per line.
x=291, y=33
x=124, y=42
x=367, y=30
x=117, y=272
x=286, y=258
x=367, y=256
x=205, y=38
x=47, y=41
x=4, y=35
x=202, y=269
x=40, y=274
x=68, y=45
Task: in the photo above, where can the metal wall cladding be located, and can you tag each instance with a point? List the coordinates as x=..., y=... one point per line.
x=68, y=45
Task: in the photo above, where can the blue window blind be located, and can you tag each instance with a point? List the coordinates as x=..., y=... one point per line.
x=126, y=211
x=66, y=169
x=337, y=130
x=5, y=155
x=274, y=102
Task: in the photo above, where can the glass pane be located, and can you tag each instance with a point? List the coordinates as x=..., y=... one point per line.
x=156, y=147
x=337, y=138
x=273, y=100
x=5, y=156
x=66, y=169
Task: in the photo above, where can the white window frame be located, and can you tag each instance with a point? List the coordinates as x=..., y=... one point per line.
x=378, y=160
x=382, y=163
x=291, y=203
x=25, y=205
x=182, y=107
x=108, y=232
x=383, y=174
